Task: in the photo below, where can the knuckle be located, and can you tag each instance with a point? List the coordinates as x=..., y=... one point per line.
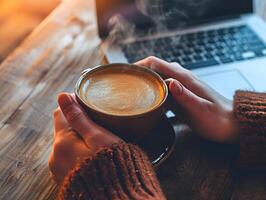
x=195, y=81
x=182, y=89
x=56, y=112
x=187, y=72
x=170, y=79
x=151, y=59
x=182, y=72
x=51, y=164
x=175, y=64
x=52, y=168
x=59, y=146
x=189, y=77
x=73, y=115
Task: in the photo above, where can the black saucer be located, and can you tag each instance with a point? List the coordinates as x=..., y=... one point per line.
x=160, y=143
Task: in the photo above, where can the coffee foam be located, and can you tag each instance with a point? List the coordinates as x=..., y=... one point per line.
x=122, y=92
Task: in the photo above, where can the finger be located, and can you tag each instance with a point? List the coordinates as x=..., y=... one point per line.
x=171, y=70
x=92, y=134
x=184, y=76
x=191, y=82
x=152, y=62
x=168, y=81
x=75, y=116
x=193, y=105
x=194, y=84
x=168, y=103
x=60, y=121
x=171, y=105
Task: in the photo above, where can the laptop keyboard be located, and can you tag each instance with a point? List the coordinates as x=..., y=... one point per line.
x=201, y=49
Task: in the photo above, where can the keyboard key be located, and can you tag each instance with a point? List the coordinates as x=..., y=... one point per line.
x=256, y=46
x=188, y=52
x=212, y=33
x=209, y=48
x=248, y=55
x=187, y=60
x=259, y=53
x=201, y=34
x=239, y=58
x=208, y=56
x=177, y=54
x=191, y=36
x=226, y=44
x=198, y=58
x=198, y=50
x=201, y=64
x=226, y=60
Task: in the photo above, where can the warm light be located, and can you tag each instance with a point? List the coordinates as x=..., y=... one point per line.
x=18, y=18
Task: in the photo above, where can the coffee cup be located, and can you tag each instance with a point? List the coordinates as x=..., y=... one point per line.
x=124, y=98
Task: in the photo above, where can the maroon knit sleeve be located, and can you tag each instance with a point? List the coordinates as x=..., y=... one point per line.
x=121, y=172
x=250, y=111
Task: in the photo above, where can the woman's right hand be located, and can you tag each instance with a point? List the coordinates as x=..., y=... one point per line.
x=76, y=137
x=206, y=111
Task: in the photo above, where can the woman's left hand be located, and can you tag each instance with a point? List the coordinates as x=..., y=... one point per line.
x=207, y=112
x=76, y=137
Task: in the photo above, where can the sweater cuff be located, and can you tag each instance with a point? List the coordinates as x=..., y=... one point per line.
x=120, y=172
x=250, y=111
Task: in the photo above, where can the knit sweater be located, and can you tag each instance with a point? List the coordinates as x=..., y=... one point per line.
x=121, y=172
x=125, y=172
x=250, y=112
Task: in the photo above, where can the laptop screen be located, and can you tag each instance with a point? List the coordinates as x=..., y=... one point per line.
x=172, y=14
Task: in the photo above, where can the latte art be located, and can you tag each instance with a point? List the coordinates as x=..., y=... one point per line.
x=122, y=92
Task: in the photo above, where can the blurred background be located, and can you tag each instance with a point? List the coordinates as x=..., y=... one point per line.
x=19, y=17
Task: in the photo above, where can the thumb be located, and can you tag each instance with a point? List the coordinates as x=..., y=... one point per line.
x=74, y=115
x=193, y=105
x=80, y=122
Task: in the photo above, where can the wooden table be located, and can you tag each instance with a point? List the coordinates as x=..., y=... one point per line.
x=49, y=62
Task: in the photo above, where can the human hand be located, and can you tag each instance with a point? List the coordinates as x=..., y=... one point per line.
x=207, y=112
x=76, y=137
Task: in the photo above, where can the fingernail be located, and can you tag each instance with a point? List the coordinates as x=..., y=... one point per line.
x=176, y=87
x=64, y=100
x=168, y=81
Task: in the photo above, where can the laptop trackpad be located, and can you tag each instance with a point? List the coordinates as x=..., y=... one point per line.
x=227, y=82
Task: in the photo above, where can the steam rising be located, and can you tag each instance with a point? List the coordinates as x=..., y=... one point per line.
x=163, y=13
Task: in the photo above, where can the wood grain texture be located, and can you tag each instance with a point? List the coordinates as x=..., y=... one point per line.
x=49, y=62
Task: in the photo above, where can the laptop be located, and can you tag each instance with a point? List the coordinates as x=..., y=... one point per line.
x=221, y=41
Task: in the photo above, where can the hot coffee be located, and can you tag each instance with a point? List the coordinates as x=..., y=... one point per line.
x=122, y=91
x=128, y=100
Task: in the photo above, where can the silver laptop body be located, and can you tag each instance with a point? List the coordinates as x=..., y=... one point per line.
x=248, y=72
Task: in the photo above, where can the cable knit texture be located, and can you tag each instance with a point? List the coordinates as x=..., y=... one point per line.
x=121, y=172
x=250, y=111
